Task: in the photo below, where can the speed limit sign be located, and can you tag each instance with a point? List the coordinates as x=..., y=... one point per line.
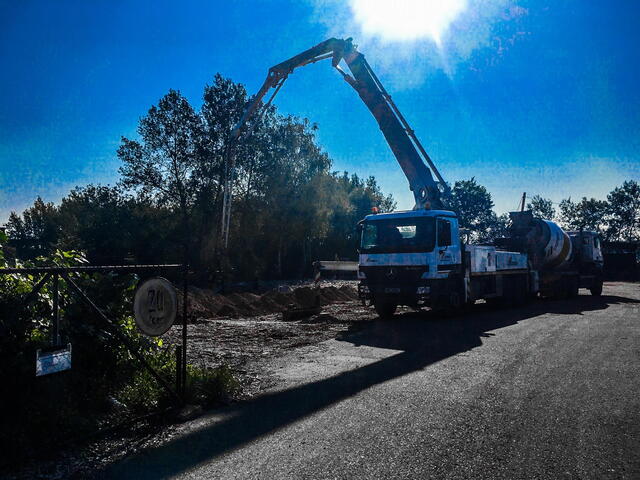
x=155, y=306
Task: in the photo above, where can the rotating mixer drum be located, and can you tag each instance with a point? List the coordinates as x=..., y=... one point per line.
x=548, y=246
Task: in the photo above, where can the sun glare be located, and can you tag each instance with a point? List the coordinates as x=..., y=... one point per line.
x=407, y=19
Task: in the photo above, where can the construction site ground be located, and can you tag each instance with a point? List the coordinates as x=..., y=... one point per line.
x=256, y=331
x=244, y=331
x=545, y=390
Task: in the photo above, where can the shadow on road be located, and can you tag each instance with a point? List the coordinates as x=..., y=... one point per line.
x=423, y=340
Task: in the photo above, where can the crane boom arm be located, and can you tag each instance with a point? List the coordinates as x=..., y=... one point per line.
x=404, y=144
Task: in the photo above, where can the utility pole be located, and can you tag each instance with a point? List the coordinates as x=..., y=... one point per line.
x=226, y=201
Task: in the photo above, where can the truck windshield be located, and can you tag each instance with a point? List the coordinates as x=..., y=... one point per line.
x=398, y=235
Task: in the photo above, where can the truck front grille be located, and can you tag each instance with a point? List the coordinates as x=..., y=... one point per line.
x=393, y=275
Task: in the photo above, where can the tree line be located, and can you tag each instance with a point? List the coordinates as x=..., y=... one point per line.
x=616, y=218
x=289, y=206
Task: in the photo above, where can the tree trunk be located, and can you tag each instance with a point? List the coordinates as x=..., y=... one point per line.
x=280, y=258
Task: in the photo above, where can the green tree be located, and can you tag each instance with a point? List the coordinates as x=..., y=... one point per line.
x=114, y=227
x=497, y=227
x=351, y=199
x=223, y=104
x=164, y=162
x=288, y=207
x=541, y=207
x=587, y=214
x=94, y=220
x=474, y=206
x=624, y=212
x=277, y=196
x=36, y=231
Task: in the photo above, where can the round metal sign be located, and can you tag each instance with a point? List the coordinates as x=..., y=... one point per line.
x=155, y=306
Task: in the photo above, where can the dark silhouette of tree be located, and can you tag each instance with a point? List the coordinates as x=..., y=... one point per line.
x=541, y=207
x=163, y=163
x=474, y=206
x=587, y=214
x=36, y=231
x=624, y=212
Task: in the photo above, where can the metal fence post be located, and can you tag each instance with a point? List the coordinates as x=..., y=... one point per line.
x=185, y=293
x=56, y=310
x=179, y=369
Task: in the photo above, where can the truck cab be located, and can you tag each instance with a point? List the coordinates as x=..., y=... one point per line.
x=588, y=249
x=409, y=258
x=589, y=260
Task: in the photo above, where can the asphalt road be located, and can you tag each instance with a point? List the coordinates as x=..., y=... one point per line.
x=549, y=390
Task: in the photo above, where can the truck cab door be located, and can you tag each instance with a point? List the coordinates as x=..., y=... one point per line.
x=598, y=259
x=448, y=255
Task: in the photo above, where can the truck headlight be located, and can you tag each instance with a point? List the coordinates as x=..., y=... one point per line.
x=423, y=290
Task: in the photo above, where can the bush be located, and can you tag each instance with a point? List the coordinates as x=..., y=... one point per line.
x=106, y=383
x=207, y=386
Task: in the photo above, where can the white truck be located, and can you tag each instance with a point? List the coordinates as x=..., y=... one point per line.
x=417, y=257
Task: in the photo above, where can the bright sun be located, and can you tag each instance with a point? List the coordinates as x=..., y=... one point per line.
x=407, y=19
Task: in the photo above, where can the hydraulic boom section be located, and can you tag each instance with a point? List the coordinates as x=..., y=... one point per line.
x=401, y=138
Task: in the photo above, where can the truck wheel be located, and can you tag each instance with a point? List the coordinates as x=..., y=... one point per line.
x=455, y=303
x=520, y=293
x=385, y=309
x=574, y=288
x=495, y=302
x=596, y=287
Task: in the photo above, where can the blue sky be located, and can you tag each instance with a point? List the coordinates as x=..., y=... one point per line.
x=526, y=96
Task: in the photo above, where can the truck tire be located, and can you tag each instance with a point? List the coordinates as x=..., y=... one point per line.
x=521, y=292
x=495, y=302
x=574, y=287
x=596, y=287
x=514, y=292
x=455, y=302
x=385, y=309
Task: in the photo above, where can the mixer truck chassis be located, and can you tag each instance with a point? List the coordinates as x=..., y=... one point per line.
x=510, y=288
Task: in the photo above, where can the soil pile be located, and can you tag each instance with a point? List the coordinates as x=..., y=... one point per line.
x=205, y=303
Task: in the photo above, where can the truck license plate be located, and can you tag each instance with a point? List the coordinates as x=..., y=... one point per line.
x=391, y=290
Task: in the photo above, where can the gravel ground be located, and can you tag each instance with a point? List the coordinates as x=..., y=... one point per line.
x=248, y=344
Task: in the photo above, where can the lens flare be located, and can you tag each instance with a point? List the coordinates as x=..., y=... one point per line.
x=404, y=20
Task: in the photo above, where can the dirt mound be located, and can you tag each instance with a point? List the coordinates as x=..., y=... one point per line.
x=265, y=304
x=330, y=295
x=242, y=304
x=281, y=299
x=350, y=292
x=205, y=303
x=227, y=311
x=306, y=297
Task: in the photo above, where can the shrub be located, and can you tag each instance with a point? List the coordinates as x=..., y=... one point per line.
x=105, y=384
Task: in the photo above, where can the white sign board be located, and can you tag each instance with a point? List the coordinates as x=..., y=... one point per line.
x=53, y=362
x=155, y=306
